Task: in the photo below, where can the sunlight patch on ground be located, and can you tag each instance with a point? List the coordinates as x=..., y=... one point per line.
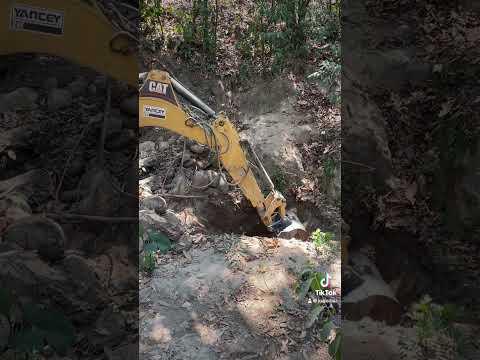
x=159, y=332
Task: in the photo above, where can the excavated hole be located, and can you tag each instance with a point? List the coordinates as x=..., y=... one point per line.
x=237, y=221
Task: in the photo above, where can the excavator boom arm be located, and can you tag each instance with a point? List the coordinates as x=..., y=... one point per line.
x=159, y=107
x=76, y=30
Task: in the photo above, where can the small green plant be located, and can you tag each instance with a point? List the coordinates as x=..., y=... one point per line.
x=328, y=75
x=148, y=263
x=309, y=284
x=322, y=314
x=432, y=319
x=329, y=168
x=322, y=240
x=153, y=241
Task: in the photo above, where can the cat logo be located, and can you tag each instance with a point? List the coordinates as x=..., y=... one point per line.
x=28, y=18
x=158, y=87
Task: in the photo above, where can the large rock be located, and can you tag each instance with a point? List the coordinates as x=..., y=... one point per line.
x=37, y=233
x=274, y=139
x=50, y=83
x=391, y=69
x=271, y=126
x=205, y=178
x=154, y=202
x=400, y=268
x=373, y=297
x=100, y=196
x=82, y=271
x=378, y=69
x=365, y=151
x=20, y=99
x=26, y=273
x=167, y=224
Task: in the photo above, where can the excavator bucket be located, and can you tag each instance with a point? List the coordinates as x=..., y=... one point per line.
x=290, y=227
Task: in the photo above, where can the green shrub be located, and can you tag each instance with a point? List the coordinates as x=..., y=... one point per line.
x=321, y=239
x=432, y=319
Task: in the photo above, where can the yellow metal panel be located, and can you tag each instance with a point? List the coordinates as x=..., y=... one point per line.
x=84, y=36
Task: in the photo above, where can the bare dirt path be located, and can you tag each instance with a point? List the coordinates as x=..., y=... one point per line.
x=231, y=298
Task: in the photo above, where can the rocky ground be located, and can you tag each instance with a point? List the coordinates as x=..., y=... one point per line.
x=54, y=177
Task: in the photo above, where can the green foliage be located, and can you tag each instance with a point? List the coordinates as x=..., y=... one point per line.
x=151, y=13
x=325, y=17
x=279, y=180
x=328, y=75
x=335, y=347
x=321, y=314
x=329, y=168
x=39, y=326
x=199, y=30
x=196, y=25
x=157, y=241
x=148, y=263
x=309, y=283
x=431, y=319
x=322, y=240
x=44, y=325
x=153, y=241
x=277, y=34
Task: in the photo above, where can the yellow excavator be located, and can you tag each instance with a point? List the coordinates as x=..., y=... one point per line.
x=78, y=30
